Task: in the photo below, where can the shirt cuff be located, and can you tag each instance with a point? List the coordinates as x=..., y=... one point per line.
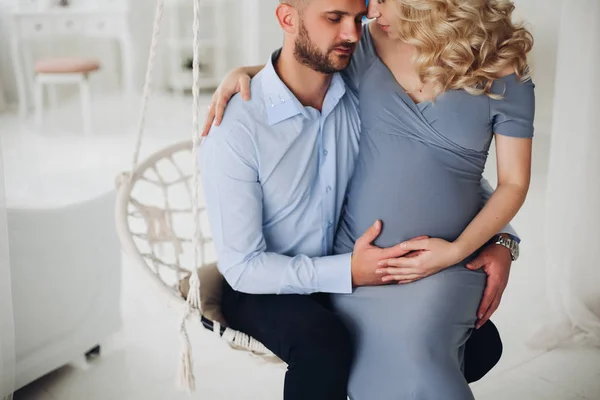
x=508, y=229
x=335, y=273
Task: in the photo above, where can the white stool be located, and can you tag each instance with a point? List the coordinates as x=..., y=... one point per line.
x=54, y=71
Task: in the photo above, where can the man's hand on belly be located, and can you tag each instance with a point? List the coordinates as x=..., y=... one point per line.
x=366, y=257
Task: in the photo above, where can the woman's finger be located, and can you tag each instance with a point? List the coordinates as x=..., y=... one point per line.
x=220, y=109
x=410, y=277
x=245, y=87
x=405, y=281
x=210, y=117
x=401, y=262
x=398, y=271
x=414, y=253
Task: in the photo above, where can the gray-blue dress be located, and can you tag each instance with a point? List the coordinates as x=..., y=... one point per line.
x=419, y=170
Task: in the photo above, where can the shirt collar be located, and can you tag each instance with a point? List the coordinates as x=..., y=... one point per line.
x=281, y=103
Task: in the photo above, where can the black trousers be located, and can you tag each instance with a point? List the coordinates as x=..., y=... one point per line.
x=305, y=333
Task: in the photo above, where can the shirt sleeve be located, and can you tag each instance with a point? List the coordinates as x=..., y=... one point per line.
x=362, y=59
x=513, y=115
x=234, y=201
x=486, y=193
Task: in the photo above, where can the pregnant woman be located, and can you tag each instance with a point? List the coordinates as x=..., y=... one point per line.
x=437, y=81
x=449, y=78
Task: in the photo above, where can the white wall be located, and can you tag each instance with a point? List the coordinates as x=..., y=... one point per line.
x=6, y=75
x=259, y=39
x=7, y=324
x=271, y=35
x=542, y=18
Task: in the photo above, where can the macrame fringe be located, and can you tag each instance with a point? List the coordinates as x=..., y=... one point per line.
x=186, y=379
x=193, y=298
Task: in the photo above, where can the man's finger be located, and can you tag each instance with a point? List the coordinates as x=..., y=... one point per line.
x=393, y=252
x=370, y=235
x=397, y=250
x=489, y=294
x=477, y=263
x=415, y=244
x=245, y=87
x=488, y=314
x=414, y=253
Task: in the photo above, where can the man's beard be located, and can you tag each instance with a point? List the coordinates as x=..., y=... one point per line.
x=308, y=54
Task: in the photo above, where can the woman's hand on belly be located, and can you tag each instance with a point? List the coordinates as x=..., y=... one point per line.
x=428, y=257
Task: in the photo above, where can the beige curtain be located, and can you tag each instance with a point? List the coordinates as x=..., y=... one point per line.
x=573, y=194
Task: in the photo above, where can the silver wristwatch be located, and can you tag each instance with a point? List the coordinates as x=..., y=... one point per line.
x=509, y=243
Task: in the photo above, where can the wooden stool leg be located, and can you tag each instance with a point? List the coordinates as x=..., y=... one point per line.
x=86, y=108
x=52, y=96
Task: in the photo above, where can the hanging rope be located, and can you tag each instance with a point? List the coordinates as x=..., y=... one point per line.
x=148, y=83
x=186, y=373
x=159, y=222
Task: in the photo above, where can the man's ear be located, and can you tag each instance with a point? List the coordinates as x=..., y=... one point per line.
x=288, y=18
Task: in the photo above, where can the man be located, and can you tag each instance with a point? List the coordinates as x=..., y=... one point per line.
x=275, y=173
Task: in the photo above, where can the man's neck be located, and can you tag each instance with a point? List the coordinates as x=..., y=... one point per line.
x=308, y=85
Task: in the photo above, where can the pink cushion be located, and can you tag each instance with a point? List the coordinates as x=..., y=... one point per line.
x=66, y=66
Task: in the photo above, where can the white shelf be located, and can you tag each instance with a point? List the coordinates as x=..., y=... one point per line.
x=188, y=3
x=180, y=43
x=184, y=80
x=183, y=44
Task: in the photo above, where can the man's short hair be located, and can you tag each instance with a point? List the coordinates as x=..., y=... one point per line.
x=298, y=4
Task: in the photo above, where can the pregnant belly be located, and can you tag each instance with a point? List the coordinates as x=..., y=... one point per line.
x=413, y=189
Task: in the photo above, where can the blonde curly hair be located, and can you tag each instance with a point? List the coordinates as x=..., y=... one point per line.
x=464, y=44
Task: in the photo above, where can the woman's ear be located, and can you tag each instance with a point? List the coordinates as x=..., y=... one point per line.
x=288, y=18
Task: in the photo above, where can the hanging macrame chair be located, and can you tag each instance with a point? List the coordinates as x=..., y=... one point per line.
x=162, y=225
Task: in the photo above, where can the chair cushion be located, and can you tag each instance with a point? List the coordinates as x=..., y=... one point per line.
x=66, y=66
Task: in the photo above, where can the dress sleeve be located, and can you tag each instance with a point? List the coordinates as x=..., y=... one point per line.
x=513, y=115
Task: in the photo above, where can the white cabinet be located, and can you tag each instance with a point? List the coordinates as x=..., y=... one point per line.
x=66, y=282
x=39, y=19
x=45, y=5
x=212, y=46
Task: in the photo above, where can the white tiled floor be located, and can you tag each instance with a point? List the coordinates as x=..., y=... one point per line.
x=140, y=361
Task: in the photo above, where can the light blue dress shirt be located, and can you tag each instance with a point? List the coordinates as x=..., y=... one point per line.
x=275, y=175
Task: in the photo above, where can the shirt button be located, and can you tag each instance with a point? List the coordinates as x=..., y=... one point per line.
x=329, y=224
x=325, y=152
x=328, y=189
